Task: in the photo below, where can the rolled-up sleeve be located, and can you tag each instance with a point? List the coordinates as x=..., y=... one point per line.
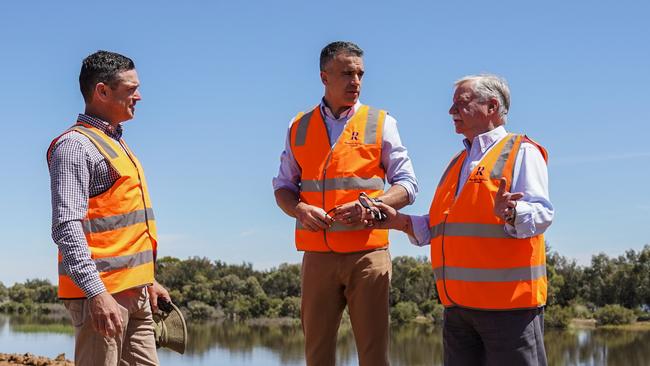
x=534, y=211
x=69, y=180
x=289, y=172
x=421, y=232
x=396, y=161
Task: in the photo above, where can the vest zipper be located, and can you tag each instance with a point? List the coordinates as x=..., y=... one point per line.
x=329, y=157
x=442, y=246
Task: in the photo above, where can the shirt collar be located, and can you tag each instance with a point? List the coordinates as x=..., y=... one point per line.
x=486, y=139
x=107, y=128
x=327, y=112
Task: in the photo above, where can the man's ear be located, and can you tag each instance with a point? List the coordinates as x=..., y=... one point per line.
x=493, y=106
x=323, y=77
x=101, y=91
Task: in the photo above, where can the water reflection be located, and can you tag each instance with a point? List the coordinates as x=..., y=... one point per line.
x=598, y=347
x=209, y=343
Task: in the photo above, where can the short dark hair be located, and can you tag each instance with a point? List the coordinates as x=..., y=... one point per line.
x=101, y=67
x=331, y=50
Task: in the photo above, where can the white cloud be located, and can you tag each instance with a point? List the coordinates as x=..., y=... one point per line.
x=247, y=233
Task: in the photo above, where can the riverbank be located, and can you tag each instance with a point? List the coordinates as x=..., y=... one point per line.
x=29, y=359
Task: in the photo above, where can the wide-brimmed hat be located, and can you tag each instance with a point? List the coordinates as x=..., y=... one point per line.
x=169, y=327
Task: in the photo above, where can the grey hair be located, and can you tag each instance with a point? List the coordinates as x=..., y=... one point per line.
x=488, y=86
x=331, y=50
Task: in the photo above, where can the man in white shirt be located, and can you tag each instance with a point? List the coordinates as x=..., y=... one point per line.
x=334, y=152
x=487, y=247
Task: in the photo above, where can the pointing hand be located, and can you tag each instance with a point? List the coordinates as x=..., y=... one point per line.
x=505, y=203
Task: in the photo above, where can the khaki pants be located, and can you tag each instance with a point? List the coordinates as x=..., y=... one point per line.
x=135, y=346
x=330, y=281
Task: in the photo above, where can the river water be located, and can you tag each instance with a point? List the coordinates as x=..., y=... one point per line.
x=237, y=344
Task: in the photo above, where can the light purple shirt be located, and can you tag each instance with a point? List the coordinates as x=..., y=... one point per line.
x=530, y=176
x=394, y=157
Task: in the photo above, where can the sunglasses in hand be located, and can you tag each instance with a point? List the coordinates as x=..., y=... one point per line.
x=376, y=213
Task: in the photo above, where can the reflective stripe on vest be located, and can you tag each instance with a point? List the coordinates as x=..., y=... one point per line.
x=119, y=226
x=114, y=222
x=465, y=229
x=114, y=263
x=333, y=184
x=476, y=263
x=490, y=275
x=334, y=175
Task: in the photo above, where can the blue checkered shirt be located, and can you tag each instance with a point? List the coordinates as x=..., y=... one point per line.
x=78, y=171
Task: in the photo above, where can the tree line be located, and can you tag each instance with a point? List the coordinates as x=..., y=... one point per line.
x=208, y=289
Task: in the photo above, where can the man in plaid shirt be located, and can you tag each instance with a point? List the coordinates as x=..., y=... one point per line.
x=111, y=326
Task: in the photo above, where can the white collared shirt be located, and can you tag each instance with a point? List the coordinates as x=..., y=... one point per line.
x=530, y=176
x=394, y=156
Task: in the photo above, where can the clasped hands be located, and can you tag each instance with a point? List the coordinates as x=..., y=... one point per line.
x=353, y=213
x=350, y=214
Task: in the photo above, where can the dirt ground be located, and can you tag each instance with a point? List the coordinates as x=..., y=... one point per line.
x=33, y=360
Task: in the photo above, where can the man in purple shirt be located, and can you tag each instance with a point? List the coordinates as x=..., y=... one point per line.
x=332, y=280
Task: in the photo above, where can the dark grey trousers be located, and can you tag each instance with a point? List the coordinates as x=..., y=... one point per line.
x=490, y=338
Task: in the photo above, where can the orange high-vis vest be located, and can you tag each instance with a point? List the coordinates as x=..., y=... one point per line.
x=119, y=226
x=332, y=176
x=477, y=265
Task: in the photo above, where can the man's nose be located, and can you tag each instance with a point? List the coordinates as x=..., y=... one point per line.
x=137, y=95
x=453, y=109
x=356, y=80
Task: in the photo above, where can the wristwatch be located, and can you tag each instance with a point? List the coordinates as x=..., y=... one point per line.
x=511, y=216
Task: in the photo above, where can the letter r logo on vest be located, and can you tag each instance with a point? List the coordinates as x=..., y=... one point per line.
x=478, y=176
x=355, y=136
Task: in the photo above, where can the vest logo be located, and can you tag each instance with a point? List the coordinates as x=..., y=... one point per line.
x=355, y=136
x=478, y=176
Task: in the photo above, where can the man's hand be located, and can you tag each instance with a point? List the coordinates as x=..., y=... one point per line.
x=505, y=202
x=312, y=218
x=106, y=315
x=157, y=291
x=351, y=213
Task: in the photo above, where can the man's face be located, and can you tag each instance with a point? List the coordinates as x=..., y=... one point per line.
x=342, y=80
x=122, y=95
x=471, y=116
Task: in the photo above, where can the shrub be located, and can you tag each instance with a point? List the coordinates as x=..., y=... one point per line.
x=12, y=307
x=200, y=310
x=290, y=307
x=274, y=308
x=404, y=312
x=641, y=314
x=557, y=316
x=581, y=311
x=614, y=314
x=438, y=313
x=4, y=293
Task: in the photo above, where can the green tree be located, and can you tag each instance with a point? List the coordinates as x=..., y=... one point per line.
x=283, y=281
x=614, y=314
x=4, y=293
x=290, y=307
x=412, y=280
x=565, y=278
x=403, y=312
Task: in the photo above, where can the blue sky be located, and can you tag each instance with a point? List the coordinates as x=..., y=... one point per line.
x=221, y=80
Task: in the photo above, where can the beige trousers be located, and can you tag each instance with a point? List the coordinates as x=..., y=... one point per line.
x=135, y=346
x=330, y=281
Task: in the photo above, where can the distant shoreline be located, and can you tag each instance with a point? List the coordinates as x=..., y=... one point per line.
x=8, y=359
